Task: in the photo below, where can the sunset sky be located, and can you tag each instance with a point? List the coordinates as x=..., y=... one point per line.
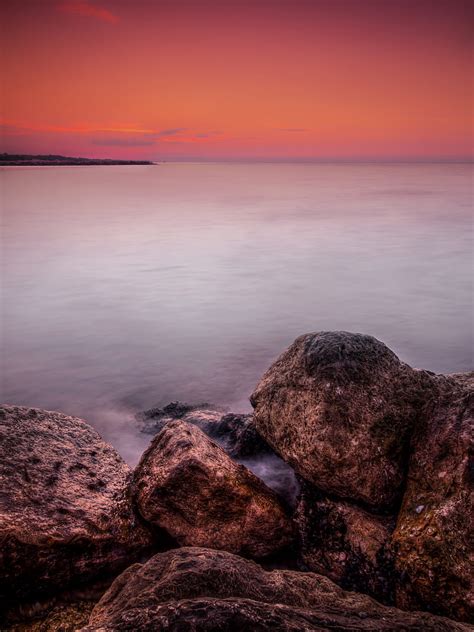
x=234, y=79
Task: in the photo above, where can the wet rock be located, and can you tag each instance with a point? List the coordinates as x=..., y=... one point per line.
x=236, y=433
x=186, y=484
x=340, y=408
x=202, y=590
x=346, y=543
x=66, y=514
x=204, y=416
x=277, y=475
x=433, y=539
x=239, y=437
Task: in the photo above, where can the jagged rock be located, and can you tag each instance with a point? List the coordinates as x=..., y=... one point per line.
x=188, y=485
x=339, y=408
x=66, y=514
x=206, y=590
x=346, y=543
x=237, y=435
x=433, y=539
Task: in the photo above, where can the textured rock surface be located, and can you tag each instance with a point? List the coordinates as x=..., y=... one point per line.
x=65, y=509
x=339, y=408
x=188, y=485
x=346, y=543
x=203, y=589
x=369, y=433
x=60, y=618
x=433, y=540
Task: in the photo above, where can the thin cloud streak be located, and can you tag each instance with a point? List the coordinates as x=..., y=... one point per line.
x=123, y=142
x=87, y=9
x=126, y=136
x=293, y=129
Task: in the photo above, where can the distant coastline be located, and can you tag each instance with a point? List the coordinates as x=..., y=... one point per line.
x=50, y=160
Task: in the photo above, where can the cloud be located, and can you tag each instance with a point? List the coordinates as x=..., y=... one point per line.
x=208, y=134
x=184, y=135
x=124, y=142
x=292, y=129
x=124, y=136
x=171, y=132
x=7, y=129
x=87, y=9
x=12, y=127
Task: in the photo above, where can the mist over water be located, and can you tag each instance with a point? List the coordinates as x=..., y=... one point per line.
x=128, y=287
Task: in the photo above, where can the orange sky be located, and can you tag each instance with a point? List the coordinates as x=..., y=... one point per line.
x=235, y=79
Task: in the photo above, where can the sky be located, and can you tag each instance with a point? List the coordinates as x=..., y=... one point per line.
x=238, y=79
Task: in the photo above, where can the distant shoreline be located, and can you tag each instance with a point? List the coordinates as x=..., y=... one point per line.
x=26, y=160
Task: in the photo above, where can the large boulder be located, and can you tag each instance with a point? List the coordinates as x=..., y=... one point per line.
x=188, y=485
x=66, y=514
x=371, y=434
x=346, y=543
x=340, y=408
x=202, y=590
x=433, y=541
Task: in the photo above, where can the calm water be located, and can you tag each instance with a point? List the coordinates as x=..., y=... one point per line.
x=125, y=287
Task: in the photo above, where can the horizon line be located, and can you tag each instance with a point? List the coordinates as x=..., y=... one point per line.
x=437, y=160
x=268, y=159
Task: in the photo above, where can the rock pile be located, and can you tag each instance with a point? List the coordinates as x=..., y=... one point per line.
x=382, y=453
x=204, y=589
x=380, y=446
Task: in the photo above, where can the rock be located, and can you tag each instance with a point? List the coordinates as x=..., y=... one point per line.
x=433, y=539
x=204, y=416
x=206, y=614
x=188, y=485
x=60, y=618
x=371, y=433
x=202, y=590
x=66, y=514
x=346, y=543
x=236, y=433
x=339, y=408
x=239, y=437
x=465, y=380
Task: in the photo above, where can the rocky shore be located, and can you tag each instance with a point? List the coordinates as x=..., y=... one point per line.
x=367, y=528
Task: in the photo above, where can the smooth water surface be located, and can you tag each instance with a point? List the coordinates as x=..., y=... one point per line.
x=125, y=287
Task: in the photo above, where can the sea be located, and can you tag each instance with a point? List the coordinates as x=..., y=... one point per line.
x=126, y=287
